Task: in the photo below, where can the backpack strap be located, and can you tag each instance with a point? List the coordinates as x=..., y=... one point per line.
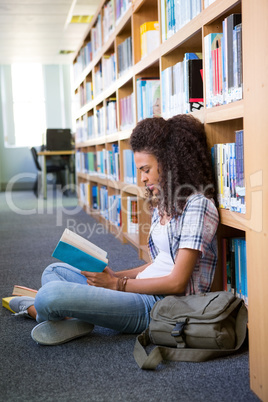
x=159, y=353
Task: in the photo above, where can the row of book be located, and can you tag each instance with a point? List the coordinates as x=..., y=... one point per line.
x=108, y=19
x=234, y=261
x=109, y=69
x=149, y=37
x=148, y=97
x=83, y=59
x=124, y=56
x=127, y=112
x=182, y=86
x=177, y=13
x=223, y=63
x=85, y=129
x=109, y=206
x=113, y=10
x=104, y=163
x=228, y=161
x=111, y=116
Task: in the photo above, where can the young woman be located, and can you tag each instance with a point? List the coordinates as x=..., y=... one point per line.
x=175, y=165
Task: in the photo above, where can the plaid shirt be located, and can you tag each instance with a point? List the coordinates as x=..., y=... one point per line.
x=195, y=229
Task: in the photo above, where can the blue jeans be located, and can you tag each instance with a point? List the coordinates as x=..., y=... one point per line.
x=65, y=293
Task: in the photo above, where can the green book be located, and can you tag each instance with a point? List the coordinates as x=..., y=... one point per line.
x=80, y=252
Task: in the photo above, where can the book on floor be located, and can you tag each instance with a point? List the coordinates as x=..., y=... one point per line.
x=80, y=252
x=23, y=291
x=5, y=303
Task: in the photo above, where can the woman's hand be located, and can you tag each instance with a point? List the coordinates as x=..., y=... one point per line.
x=105, y=279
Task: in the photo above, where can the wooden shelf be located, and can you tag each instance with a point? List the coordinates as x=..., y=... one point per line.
x=220, y=123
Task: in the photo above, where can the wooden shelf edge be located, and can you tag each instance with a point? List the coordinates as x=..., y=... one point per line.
x=216, y=9
x=234, y=110
x=233, y=219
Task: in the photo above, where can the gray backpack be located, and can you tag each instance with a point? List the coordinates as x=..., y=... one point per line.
x=193, y=328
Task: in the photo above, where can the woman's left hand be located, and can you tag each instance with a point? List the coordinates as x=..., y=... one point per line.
x=103, y=279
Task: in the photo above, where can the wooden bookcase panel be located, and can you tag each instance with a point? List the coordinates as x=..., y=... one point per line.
x=220, y=124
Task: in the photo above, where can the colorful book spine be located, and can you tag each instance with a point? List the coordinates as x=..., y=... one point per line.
x=130, y=171
x=234, y=267
x=148, y=98
x=132, y=215
x=149, y=37
x=228, y=160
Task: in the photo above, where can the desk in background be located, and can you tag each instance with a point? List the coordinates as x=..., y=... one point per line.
x=46, y=154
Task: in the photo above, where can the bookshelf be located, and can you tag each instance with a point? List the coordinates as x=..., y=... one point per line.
x=221, y=122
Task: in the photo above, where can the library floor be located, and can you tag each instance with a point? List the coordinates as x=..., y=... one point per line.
x=99, y=367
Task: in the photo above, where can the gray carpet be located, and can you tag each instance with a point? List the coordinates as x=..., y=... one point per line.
x=99, y=367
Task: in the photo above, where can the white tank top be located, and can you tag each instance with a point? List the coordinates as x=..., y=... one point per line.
x=163, y=263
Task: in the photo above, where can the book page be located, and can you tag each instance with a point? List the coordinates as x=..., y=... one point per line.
x=83, y=244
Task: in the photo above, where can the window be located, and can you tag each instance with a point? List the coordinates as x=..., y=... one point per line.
x=28, y=104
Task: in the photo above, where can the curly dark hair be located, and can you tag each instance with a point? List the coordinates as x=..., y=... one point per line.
x=184, y=160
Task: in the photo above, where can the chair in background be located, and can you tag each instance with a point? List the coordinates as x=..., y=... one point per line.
x=50, y=169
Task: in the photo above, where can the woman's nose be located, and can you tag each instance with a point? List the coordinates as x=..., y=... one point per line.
x=143, y=177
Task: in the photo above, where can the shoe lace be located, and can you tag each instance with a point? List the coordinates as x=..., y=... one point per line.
x=22, y=312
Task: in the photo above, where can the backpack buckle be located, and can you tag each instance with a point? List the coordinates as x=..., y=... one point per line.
x=179, y=328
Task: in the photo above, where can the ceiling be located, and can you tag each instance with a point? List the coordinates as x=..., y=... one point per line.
x=37, y=30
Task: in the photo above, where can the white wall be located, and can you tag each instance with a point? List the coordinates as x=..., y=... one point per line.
x=58, y=95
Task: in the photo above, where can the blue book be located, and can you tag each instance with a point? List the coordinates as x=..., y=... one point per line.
x=80, y=253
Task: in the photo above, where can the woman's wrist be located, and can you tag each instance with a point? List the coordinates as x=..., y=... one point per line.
x=122, y=283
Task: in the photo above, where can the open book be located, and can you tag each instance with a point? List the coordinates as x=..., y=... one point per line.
x=80, y=253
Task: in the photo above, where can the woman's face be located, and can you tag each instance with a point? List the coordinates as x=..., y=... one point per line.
x=148, y=166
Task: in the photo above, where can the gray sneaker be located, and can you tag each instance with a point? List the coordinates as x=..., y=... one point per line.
x=21, y=304
x=57, y=332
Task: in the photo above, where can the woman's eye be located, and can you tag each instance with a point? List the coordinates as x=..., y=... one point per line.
x=146, y=171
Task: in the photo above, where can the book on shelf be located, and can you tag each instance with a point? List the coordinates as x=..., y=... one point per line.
x=132, y=215
x=182, y=86
x=80, y=252
x=121, y=6
x=234, y=267
x=23, y=291
x=108, y=21
x=109, y=69
x=148, y=97
x=177, y=13
x=111, y=116
x=96, y=36
x=126, y=112
x=95, y=197
x=149, y=37
x=124, y=55
x=228, y=161
x=130, y=171
x=104, y=202
x=114, y=209
x=223, y=63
